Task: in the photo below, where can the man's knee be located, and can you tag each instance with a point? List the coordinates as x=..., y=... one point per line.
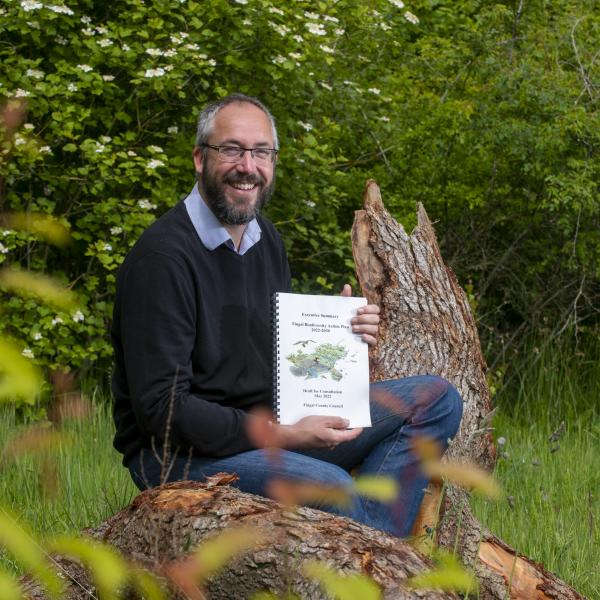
x=447, y=403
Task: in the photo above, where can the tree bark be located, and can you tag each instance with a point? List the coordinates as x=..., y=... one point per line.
x=427, y=327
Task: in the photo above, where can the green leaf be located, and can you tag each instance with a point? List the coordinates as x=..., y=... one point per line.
x=19, y=377
x=383, y=489
x=451, y=575
x=109, y=571
x=28, y=553
x=343, y=587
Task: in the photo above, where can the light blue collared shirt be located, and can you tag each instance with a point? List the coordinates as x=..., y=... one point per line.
x=210, y=230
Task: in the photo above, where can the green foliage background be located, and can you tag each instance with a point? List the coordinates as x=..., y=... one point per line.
x=487, y=112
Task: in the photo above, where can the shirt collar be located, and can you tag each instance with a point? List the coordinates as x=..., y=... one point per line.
x=210, y=230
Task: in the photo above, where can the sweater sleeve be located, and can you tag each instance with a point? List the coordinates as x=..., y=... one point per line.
x=158, y=333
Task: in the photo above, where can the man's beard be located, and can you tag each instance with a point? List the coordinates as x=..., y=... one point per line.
x=232, y=212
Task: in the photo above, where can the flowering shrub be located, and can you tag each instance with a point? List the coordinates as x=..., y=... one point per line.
x=113, y=92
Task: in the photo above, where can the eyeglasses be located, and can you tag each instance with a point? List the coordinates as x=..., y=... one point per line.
x=235, y=154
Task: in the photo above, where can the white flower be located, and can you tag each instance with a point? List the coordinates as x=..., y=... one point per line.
x=3, y=248
x=60, y=9
x=183, y=34
x=275, y=11
x=125, y=48
x=99, y=148
x=72, y=87
x=339, y=31
x=107, y=248
x=295, y=55
x=311, y=15
x=298, y=38
x=325, y=85
x=192, y=47
x=175, y=39
x=280, y=29
x=397, y=3
x=77, y=316
x=154, y=51
x=384, y=119
x=327, y=49
x=304, y=125
x=155, y=163
x=85, y=68
x=212, y=62
x=146, y=205
x=169, y=67
x=170, y=52
x=155, y=149
x=27, y=353
x=242, y=1
x=116, y=230
x=278, y=60
x=28, y=5
x=384, y=26
x=501, y=441
x=63, y=41
x=101, y=30
x=28, y=126
x=108, y=77
x=173, y=129
x=88, y=31
x=375, y=91
x=154, y=72
x=20, y=93
x=315, y=29
x=33, y=24
x=131, y=153
x=57, y=321
x=35, y=73
x=37, y=336
x=46, y=150
x=411, y=18
x=247, y=22
x=19, y=140
x=105, y=42
x=85, y=20
x=6, y=232
x=332, y=19
x=309, y=203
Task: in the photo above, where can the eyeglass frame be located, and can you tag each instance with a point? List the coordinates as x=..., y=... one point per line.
x=274, y=152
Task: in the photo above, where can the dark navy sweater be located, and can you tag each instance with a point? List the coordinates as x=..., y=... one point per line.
x=192, y=339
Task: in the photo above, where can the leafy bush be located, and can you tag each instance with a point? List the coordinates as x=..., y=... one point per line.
x=487, y=115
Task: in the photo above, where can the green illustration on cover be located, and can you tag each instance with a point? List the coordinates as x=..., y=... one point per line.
x=318, y=363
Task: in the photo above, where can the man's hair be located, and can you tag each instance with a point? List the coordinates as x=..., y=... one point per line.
x=209, y=112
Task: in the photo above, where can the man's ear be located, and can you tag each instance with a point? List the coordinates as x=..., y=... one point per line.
x=198, y=159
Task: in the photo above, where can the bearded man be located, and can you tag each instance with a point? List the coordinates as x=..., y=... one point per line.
x=192, y=341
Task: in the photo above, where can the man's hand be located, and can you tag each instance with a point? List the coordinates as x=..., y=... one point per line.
x=310, y=432
x=316, y=432
x=366, y=321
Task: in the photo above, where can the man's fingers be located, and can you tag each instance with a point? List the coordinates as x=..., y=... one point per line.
x=369, y=339
x=345, y=435
x=346, y=290
x=335, y=422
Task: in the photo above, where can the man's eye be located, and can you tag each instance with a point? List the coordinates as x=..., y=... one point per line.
x=262, y=153
x=231, y=151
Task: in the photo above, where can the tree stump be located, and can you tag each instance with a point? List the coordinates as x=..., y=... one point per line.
x=427, y=327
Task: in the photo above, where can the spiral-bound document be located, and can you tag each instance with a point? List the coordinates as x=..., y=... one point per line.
x=320, y=366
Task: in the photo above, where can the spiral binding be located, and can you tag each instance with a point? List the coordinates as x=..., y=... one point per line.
x=275, y=366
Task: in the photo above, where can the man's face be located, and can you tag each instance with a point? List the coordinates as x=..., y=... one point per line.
x=236, y=192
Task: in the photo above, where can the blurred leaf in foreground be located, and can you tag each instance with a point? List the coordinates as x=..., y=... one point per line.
x=109, y=571
x=19, y=377
x=306, y=493
x=42, y=226
x=189, y=574
x=9, y=588
x=450, y=575
x=342, y=587
x=383, y=489
x=45, y=288
x=148, y=585
x=27, y=552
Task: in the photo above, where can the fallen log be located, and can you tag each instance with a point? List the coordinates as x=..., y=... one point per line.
x=427, y=327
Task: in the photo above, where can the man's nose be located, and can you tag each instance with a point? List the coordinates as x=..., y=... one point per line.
x=247, y=162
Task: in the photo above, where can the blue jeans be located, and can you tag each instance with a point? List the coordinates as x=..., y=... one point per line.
x=401, y=411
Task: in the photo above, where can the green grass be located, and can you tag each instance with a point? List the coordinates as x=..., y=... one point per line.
x=554, y=510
